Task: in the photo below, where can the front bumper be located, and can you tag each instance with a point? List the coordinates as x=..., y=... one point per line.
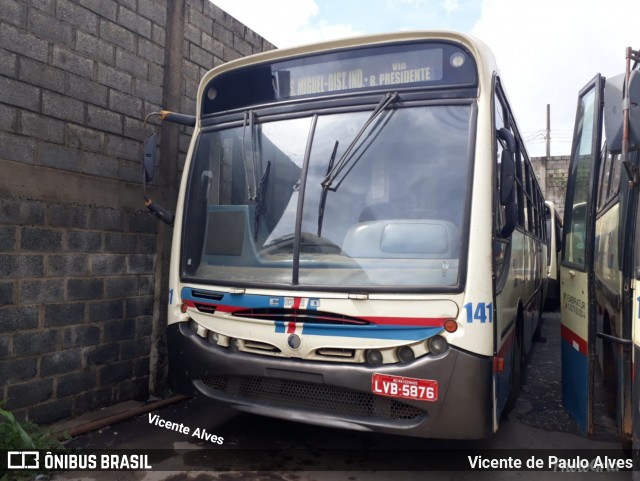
x=337, y=395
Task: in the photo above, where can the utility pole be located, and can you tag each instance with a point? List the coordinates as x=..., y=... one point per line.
x=169, y=178
x=548, y=134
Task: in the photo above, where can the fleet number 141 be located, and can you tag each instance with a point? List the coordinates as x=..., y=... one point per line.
x=481, y=311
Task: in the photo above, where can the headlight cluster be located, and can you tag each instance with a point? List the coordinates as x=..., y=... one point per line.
x=213, y=337
x=435, y=345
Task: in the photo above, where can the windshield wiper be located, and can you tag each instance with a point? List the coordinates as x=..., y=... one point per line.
x=260, y=196
x=334, y=171
x=328, y=180
x=249, y=119
x=323, y=194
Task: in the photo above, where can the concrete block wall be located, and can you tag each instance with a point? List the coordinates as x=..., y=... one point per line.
x=211, y=38
x=552, y=174
x=82, y=266
x=77, y=301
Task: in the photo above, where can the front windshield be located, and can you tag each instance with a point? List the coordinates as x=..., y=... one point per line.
x=391, y=217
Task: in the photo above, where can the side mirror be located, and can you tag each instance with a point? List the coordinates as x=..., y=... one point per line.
x=507, y=172
x=507, y=167
x=613, y=111
x=149, y=162
x=510, y=221
x=507, y=181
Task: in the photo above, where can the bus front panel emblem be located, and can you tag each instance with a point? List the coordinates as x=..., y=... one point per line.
x=294, y=341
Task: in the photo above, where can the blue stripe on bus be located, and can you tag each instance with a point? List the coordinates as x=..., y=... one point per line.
x=249, y=301
x=575, y=383
x=373, y=331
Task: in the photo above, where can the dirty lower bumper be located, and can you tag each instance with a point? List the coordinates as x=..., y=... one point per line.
x=337, y=394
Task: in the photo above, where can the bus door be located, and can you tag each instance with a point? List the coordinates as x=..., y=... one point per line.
x=635, y=317
x=577, y=301
x=629, y=345
x=622, y=134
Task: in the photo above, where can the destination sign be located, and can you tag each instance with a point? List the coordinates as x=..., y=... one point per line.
x=425, y=64
x=386, y=70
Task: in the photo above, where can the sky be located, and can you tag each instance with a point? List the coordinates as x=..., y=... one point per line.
x=547, y=50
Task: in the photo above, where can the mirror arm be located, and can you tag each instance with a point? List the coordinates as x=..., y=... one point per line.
x=176, y=118
x=160, y=212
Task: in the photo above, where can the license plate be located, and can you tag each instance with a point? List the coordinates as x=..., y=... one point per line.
x=404, y=387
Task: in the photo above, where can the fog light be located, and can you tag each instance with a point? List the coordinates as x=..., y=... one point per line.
x=405, y=354
x=235, y=344
x=193, y=326
x=213, y=337
x=438, y=345
x=374, y=357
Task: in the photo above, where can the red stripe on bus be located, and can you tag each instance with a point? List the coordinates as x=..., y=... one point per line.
x=291, y=327
x=408, y=321
x=296, y=302
x=229, y=309
x=573, y=339
x=508, y=342
x=399, y=321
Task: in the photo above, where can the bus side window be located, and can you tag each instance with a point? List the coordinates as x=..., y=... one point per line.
x=636, y=254
x=529, y=198
x=614, y=183
x=522, y=219
x=604, y=180
x=499, y=119
x=558, y=234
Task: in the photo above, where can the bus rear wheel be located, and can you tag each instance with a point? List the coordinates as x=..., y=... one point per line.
x=516, y=370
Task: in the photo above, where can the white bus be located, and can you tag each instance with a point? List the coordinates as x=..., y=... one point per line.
x=359, y=238
x=600, y=271
x=554, y=248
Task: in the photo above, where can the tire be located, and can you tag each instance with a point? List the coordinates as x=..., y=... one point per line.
x=516, y=371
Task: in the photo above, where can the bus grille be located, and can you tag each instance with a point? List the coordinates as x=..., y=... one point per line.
x=316, y=397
